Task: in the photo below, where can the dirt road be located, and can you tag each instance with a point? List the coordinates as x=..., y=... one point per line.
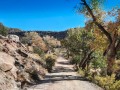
x=63, y=77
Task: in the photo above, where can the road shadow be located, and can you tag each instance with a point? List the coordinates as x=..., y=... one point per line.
x=64, y=63
x=59, y=69
x=57, y=78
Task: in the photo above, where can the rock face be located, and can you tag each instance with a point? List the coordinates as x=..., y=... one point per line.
x=18, y=65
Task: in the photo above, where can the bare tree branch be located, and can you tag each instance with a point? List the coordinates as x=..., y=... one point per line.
x=118, y=45
x=95, y=21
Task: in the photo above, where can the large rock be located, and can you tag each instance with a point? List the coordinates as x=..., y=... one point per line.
x=14, y=38
x=5, y=58
x=5, y=67
x=7, y=63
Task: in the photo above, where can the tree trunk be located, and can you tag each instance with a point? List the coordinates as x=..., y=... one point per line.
x=86, y=59
x=111, y=59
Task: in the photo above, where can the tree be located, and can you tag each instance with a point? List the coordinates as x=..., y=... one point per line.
x=3, y=30
x=34, y=39
x=78, y=43
x=93, y=10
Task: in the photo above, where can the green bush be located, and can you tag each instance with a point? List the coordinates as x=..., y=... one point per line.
x=107, y=82
x=38, y=50
x=99, y=60
x=81, y=72
x=25, y=40
x=35, y=75
x=75, y=59
x=115, y=86
x=50, y=62
x=3, y=30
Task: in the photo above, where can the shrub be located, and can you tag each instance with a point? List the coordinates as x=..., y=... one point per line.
x=81, y=72
x=108, y=82
x=38, y=50
x=36, y=75
x=105, y=82
x=3, y=30
x=99, y=60
x=51, y=41
x=25, y=40
x=115, y=86
x=33, y=38
x=50, y=62
x=75, y=59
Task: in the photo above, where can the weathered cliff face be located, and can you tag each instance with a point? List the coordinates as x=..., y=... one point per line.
x=18, y=65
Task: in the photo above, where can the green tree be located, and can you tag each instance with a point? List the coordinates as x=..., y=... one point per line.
x=78, y=43
x=92, y=9
x=3, y=30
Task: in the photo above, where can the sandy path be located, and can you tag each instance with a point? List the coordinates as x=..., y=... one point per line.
x=64, y=78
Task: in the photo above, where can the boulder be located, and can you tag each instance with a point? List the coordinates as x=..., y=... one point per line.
x=7, y=82
x=5, y=67
x=7, y=63
x=14, y=38
x=5, y=58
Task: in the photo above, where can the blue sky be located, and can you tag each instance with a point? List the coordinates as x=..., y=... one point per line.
x=54, y=15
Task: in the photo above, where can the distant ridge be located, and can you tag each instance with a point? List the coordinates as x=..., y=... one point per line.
x=58, y=35
x=21, y=33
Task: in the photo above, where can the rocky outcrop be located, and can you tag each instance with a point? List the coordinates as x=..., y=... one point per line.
x=18, y=65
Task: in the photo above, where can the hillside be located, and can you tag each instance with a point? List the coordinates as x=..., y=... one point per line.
x=18, y=65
